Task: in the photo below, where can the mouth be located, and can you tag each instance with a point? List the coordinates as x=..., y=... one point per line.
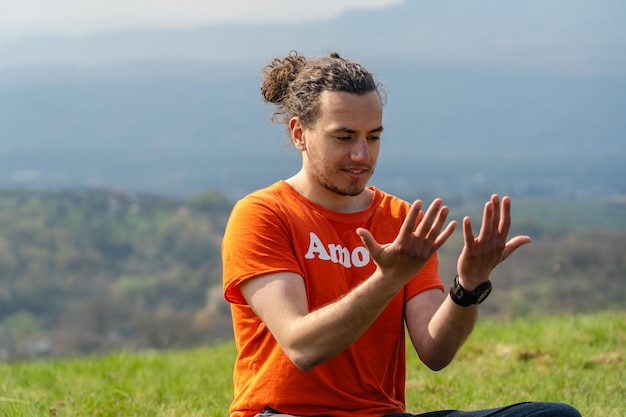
x=356, y=173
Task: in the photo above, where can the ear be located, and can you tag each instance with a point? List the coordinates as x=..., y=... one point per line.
x=296, y=130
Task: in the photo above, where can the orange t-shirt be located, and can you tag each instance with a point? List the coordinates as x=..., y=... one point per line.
x=277, y=230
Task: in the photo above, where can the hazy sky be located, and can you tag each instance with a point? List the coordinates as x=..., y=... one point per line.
x=27, y=17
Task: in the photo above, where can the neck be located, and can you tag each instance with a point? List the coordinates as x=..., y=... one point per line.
x=330, y=199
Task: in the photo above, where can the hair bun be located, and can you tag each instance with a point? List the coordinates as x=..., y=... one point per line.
x=279, y=74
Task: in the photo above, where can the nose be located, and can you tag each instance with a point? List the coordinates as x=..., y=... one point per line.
x=360, y=151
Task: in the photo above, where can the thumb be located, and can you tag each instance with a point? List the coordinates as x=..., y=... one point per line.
x=514, y=244
x=368, y=240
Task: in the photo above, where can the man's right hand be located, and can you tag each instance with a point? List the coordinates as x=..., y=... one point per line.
x=419, y=238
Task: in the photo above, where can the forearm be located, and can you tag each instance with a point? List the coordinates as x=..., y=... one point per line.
x=319, y=335
x=438, y=329
x=449, y=329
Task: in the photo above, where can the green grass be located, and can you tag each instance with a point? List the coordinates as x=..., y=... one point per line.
x=579, y=359
x=189, y=383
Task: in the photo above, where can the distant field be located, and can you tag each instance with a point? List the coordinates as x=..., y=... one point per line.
x=545, y=214
x=579, y=359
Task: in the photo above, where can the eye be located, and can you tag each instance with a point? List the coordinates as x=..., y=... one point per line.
x=343, y=138
x=373, y=138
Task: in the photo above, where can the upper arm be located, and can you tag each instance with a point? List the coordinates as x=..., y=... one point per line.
x=256, y=243
x=278, y=299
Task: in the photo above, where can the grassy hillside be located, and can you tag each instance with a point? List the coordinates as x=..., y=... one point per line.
x=577, y=359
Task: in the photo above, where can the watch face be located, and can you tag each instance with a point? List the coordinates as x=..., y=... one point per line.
x=483, y=294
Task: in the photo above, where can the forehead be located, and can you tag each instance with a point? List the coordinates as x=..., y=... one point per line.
x=338, y=107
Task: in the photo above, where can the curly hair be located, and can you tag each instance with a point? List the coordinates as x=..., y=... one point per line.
x=294, y=84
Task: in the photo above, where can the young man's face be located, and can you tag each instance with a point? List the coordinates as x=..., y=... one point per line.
x=342, y=146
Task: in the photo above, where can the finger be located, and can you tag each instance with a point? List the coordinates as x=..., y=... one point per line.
x=485, y=226
x=468, y=233
x=431, y=217
x=409, y=223
x=505, y=219
x=495, y=201
x=443, y=236
x=435, y=229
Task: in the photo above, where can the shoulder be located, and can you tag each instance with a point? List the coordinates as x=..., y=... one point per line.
x=267, y=194
x=390, y=203
x=269, y=199
x=262, y=211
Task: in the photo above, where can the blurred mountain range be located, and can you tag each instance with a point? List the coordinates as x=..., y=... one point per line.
x=484, y=96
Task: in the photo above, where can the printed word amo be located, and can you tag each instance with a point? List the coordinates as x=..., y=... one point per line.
x=358, y=257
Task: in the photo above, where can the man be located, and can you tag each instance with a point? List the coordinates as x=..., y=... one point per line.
x=323, y=272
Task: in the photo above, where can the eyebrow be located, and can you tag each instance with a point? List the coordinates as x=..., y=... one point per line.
x=346, y=130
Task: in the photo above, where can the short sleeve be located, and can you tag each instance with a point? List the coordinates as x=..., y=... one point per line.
x=426, y=279
x=256, y=242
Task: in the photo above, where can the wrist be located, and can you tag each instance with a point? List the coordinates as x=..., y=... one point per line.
x=466, y=297
x=470, y=284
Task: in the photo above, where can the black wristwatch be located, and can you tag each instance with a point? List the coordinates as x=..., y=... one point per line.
x=466, y=298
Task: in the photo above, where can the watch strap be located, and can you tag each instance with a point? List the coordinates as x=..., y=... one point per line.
x=466, y=298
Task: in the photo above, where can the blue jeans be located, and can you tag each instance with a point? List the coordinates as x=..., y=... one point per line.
x=528, y=409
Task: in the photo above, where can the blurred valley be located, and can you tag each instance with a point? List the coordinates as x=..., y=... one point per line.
x=87, y=271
